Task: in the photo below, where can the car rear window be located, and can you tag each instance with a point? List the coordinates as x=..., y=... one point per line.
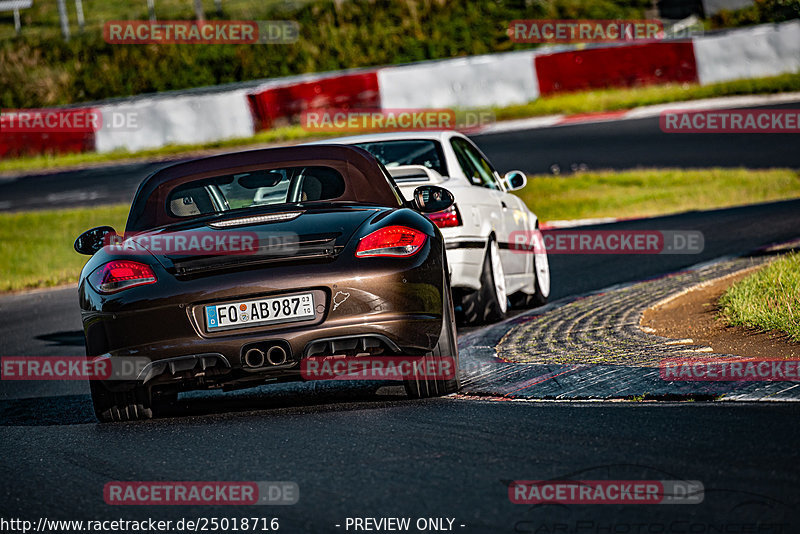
x=289, y=185
x=408, y=152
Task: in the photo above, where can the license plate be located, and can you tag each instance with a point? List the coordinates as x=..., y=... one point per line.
x=260, y=312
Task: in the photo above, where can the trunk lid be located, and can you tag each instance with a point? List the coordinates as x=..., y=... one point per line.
x=296, y=234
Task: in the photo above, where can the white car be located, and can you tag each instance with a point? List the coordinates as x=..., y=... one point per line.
x=486, y=271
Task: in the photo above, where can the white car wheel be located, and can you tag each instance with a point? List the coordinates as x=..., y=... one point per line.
x=498, y=277
x=541, y=269
x=540, y=278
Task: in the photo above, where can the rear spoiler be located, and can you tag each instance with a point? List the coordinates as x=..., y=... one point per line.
x=403, y=174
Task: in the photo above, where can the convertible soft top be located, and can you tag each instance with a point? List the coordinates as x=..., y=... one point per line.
x=366, y=181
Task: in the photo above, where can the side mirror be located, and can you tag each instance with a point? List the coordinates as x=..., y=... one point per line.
x=93, y=240
x=515, y=180
x=432, y=198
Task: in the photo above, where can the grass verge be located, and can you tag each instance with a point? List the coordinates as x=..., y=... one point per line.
x=568, y=103
x=627, y=98
x=651, y=192
x=768, y=299
x=36, y=247
x=52, y=161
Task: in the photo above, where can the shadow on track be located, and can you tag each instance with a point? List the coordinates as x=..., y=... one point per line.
x=77, y=409
x=71, y=338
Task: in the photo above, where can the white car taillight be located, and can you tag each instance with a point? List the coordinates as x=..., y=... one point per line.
x=448, y=218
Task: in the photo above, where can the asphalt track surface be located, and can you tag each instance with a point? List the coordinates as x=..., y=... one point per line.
x=363, y=450
x=636, y=143
x=602, y=145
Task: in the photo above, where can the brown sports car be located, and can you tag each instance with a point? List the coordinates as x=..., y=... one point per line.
x=234, y=268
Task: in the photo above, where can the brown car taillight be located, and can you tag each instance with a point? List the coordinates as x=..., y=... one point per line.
x=118, y=275
x=396, y=241
x=448, y=218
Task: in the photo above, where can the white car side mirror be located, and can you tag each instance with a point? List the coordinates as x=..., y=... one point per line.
x=515, y=180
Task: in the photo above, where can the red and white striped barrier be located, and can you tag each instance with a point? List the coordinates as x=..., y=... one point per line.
x=472, y=82
x=766, y=50
x=182, y=119
x=616, y=66
x=45, y=131
x=273, y=101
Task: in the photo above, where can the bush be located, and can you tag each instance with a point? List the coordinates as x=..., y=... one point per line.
x=39, y=69
x=761, y=12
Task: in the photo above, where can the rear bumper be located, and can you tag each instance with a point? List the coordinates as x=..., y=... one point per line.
x=411, y=333
x=399, y=300
x=222, y=363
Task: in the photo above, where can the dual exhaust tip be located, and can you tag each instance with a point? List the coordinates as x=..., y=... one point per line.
x=275, y=355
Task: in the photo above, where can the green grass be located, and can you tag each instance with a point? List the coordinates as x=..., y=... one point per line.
x=583, y=102
x=50, y=161
x=627, y=98
x=768, y=299
x=650, y=192
x=36, y=247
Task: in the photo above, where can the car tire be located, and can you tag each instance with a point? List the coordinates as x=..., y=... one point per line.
x=488, y=304
x=115, y=406
x=446, y=347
